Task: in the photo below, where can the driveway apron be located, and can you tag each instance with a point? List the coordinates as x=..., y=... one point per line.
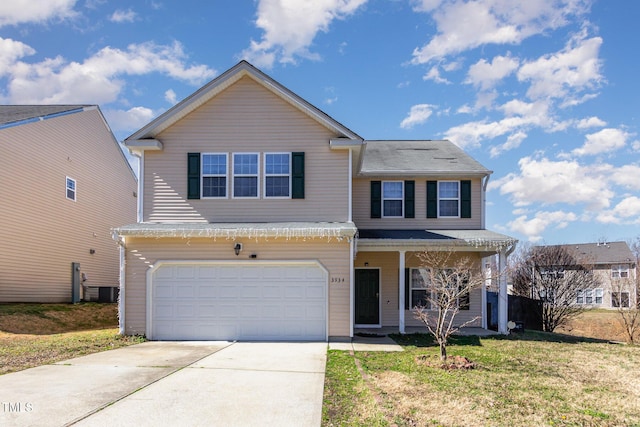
x=173, y=383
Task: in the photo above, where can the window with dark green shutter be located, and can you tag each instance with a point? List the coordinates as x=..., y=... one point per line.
x=297, y=175
x=376, y=199
x=193, y=175
x=409, y=199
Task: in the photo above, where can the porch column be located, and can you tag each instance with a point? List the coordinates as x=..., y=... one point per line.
x=401, y=286
x=503, y=311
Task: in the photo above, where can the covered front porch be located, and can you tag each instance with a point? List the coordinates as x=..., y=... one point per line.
x=386, y=261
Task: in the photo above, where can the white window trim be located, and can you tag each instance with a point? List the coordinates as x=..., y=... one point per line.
x=620, y=299
x=234, y=175
x=594, y=294
x=391, y=199
x=411, y=289
x=449, y=198
x=203, y=175
x=75, y=189
x=265, y=175
x=617, y=271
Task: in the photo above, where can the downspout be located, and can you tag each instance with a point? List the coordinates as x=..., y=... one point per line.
x=140, y=213
x=484, y=201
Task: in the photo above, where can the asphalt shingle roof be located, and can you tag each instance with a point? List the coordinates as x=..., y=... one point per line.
x=602, y=253
x=425, y=157
x=16, y=113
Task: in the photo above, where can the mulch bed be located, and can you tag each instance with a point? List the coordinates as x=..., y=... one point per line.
x=452, y=362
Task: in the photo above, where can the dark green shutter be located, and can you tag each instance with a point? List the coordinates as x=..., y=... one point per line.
x=376, y=199
x=465, y=199
x=193, y=175
x=297, y=176
x=409, y=199
x=407, y=288
x=432, y=199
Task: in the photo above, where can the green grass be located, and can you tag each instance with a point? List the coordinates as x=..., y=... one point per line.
x=531, y=379
x=40, y=310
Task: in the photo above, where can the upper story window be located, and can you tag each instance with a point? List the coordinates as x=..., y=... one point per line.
x=619, y=271
x=449, y=199
x=71, y=189
x=277, y=175
x=392, y=199
x=214, y=175
x=245, y=175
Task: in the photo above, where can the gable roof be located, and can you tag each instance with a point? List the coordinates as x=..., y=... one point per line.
x=219, y=84
x=601, y=253
x=426, y=157
x=14, y=115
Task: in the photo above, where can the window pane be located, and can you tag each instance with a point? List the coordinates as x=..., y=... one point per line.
x=277, y=186
x=393, y=208
x=448, y=190
x=214, y=164
x=419, y=298
x=277, y=164
x=245, y=186
x=214, y=187
x=448, y=208
x=245, y=164
x=392, y=190
x=71, y=184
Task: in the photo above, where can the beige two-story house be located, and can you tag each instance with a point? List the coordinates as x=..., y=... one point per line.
x=65, y=184
x=262, y=218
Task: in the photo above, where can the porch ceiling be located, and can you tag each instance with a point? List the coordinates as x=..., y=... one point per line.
x=381, y=240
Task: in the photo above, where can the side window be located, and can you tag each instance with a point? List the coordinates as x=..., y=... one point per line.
x=245, y=175
x=449, y=199
x=392, y=199
x=277, y=175
x=419, y=284
x=71, y=189
x=214, y=175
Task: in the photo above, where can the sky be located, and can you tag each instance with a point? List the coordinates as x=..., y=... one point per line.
x=544, y=93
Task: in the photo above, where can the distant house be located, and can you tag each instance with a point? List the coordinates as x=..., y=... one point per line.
x=263, y=218
x=65, y=184
x=614, y=267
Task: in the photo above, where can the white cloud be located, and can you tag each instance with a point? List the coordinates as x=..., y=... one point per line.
x=170, y=96
x=99, y=78
x=425, y=5
x=590, y=122
x=534, y=227
x=417, y=115
x=627, y=176
x=627, y=211
x=546, y=182
x=290, y=26
x=566, y=73
x=603, y=141
x=434, y=74
x=10, y=52
x=494, y=22
x=121, y=16
x=513, y=141
x=486, y=75
x=129, y=120
x=13, y=12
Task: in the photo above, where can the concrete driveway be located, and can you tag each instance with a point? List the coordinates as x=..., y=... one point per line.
x=172, y=383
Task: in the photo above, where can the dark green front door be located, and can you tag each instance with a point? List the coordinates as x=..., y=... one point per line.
x=367, y=296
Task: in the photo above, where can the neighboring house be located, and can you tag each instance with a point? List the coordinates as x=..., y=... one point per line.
x=614, y=266
x=260, y=217
x=65, y=184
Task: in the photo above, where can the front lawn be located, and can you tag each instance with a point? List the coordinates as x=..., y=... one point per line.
x=531, y=379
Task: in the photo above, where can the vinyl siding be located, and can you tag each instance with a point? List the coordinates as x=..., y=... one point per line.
x=246, y=118
x=42, y=232
x=362, y=208
x=143, y=253
x=388, y=262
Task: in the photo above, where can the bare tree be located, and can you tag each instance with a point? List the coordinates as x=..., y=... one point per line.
x=555, y=276
x=626, y=303
x=447, y=282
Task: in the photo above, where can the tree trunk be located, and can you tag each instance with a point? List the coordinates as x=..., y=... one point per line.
x=443, y=351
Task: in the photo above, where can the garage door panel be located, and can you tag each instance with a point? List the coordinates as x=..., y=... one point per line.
x=235, y=302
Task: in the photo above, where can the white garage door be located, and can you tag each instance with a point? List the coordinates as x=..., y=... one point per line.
x=256, y=301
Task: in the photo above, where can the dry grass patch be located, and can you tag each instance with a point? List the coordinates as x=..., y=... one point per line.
x=595, y=323
x=534, y=379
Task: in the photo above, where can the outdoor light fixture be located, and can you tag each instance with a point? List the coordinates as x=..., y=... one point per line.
x=237, y=248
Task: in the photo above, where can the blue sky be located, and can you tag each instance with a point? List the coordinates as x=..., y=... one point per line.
x=544, y=92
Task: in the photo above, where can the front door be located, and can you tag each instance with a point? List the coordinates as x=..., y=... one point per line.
x=367, y=297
